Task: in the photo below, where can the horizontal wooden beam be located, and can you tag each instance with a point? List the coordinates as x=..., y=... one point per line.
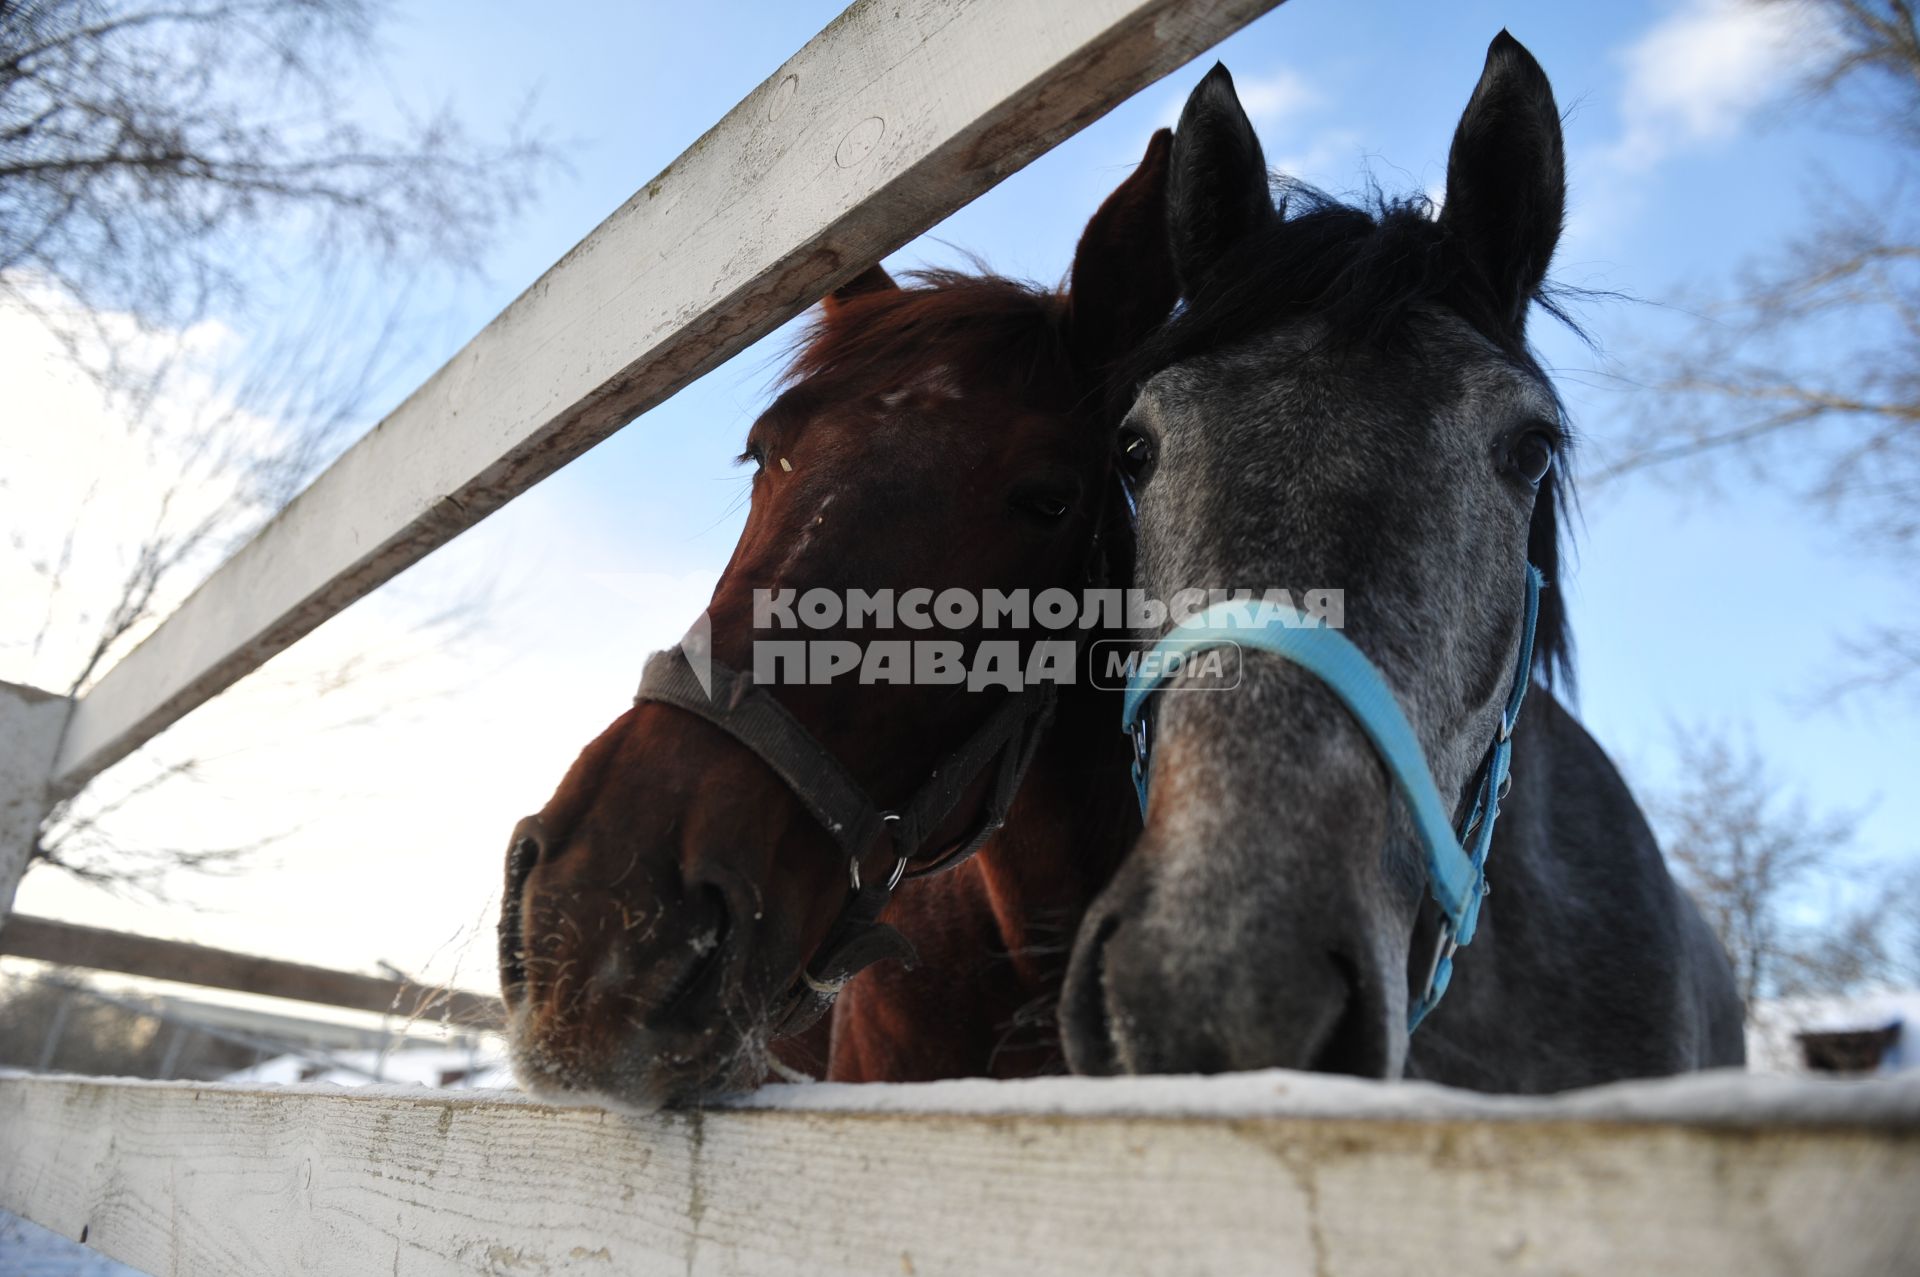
x=1055, y=1178
x=71, y=945
x=900, y=112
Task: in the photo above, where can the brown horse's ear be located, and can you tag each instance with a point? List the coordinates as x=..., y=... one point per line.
x=874, y=279
x=1123, y=285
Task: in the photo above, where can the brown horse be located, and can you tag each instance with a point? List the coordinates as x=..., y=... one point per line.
x=708, y=873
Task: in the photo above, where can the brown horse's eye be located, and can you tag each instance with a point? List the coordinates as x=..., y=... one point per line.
x=1045, y=498
x=1042, y=506
x=753, y=457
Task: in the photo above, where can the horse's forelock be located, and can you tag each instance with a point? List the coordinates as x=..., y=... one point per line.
x=979, y=326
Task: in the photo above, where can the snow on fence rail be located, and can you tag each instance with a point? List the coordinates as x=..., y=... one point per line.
x=1262, y=1173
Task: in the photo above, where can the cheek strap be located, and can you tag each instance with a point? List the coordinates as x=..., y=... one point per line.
x=1000, y=749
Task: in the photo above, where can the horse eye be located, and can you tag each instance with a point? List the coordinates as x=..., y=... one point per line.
x=1049, y=508
x=752, y=454
x=1529, y=455
x=1136, y=452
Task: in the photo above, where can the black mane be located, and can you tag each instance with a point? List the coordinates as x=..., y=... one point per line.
x=1361, y=273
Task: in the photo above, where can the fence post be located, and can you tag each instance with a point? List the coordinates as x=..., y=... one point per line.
x=30, y=724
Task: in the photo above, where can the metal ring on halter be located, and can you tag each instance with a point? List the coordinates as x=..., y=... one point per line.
x=899, y=869
x=893, y=879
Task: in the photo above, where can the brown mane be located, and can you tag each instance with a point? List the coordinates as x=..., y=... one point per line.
x=984, y=326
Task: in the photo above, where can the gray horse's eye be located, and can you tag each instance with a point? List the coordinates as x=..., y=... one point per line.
x=1136, y=449
x=1528, y=455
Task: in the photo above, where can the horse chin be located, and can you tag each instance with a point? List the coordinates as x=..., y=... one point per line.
x=648, y=1070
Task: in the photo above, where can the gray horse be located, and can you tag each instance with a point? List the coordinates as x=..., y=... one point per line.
x=1348, y=401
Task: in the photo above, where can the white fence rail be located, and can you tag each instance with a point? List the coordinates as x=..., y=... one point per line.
x=1266, y=1173
x=897, y=114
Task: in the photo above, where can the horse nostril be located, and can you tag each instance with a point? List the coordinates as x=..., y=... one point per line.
x=1355, y=1043
x=523, y=852
x=525, y=849
x=1089, y=1039
x=708, y=928
x=712, y=943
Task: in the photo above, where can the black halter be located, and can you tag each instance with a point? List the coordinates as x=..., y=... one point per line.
x=748, y=712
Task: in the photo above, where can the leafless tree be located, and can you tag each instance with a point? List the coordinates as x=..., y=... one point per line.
x=225, y=454
x=1756, y=857
x=142, y=141
x=1808, y=375
x=168, y=162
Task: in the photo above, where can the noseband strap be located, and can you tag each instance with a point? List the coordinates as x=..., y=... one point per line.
x=749, y=713
x=1456, y=862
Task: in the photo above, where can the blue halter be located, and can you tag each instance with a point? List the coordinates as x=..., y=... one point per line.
x=1456, y=863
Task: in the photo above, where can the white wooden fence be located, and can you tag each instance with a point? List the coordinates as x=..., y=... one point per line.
x=1259, y=1174
x=898, y=113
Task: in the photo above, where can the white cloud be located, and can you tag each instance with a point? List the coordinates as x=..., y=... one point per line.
x=1329, y=160
x=1276, y=99
x=1694, y=79
x=1281, y=105
x=1697, y=75
x=1271, y=101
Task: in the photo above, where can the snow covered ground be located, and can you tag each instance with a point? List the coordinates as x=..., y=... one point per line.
x=482, y=1065
x=28, y=1250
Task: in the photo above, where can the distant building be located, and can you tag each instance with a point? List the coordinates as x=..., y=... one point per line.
x=1875, y=1033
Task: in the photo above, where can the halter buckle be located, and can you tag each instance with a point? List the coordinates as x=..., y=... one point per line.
x=1444, y=947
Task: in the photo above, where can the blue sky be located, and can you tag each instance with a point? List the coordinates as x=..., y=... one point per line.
x=1688, y=609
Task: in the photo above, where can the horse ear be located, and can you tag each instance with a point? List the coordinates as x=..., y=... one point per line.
x=1217, y=190
x=1507, y=177
x=874, y=279
x=1122, y=286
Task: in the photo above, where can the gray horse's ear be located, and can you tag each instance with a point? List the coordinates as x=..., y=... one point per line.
x=874, y=279
x=1217, y=189
x=1507, y=177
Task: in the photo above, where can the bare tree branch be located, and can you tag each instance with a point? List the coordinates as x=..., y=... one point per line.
x=163, y=162
x=1748, y=854
x=138, y=140
x=1808, y=376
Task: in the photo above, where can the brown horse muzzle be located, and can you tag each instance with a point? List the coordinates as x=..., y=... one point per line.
x=607, y=1000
